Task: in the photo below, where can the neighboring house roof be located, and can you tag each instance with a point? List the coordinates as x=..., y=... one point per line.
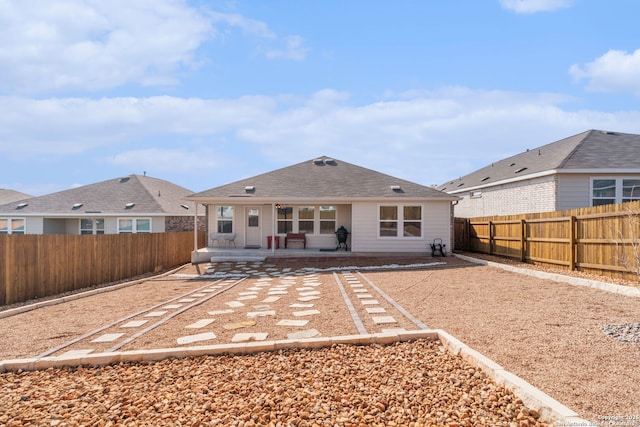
x=588, y=152
x=114, y=196
x=321, y=178
x=8, y=196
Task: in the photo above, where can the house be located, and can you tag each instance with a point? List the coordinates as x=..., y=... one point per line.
x=589, y=169
x=304, y=205
x=130, y=204
x=7, y=196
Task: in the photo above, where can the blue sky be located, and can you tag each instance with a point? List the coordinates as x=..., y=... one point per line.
x=203, y=92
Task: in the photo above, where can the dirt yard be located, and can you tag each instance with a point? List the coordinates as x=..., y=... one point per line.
x=549, y=333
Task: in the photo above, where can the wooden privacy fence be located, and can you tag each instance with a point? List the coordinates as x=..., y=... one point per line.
x=604, y=240
x=33, y=266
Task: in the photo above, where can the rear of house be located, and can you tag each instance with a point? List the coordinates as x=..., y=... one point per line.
x=314, y=198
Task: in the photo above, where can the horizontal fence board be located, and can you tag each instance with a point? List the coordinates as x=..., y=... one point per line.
x=33, y=266
x=602, y=239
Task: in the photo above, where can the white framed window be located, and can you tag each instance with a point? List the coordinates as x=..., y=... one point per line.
x=306, y=223
x=12, y=226
x=224, y=219
x=285, y=219
x=92, y=226
x=403, y=221
x=134, y=225
x=327, y=219
x=606, y=191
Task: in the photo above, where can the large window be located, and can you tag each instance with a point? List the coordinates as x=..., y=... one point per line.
x=225, y=219
x=12, y=226
x=327, y=219
x=614, y=190
x=285, y=219
x=92, y=226
x=400, y=221
x=305, y=219
x=134, y=225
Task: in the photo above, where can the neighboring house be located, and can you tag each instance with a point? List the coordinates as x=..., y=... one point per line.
x=8, y=196
x=589, y=169
x=131, y=204
x=382, y=213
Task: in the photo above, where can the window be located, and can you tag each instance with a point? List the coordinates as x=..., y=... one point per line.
x=285, y=220
x=614, y=190
x=388, y=221
x=412, y=221
x=134, y=225
x=327, y=219
x=92, y=226
x=305, y=219
x=12, y=226
x=225, y=219
x=393, y=218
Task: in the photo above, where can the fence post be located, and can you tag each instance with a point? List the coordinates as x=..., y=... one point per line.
x=523, y=240
x=490, y=237
x=573, y=248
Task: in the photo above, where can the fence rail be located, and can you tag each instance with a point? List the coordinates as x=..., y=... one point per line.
x=604, y=240
x=33, y=266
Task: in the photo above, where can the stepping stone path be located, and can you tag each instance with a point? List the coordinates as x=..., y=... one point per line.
x=366, y=299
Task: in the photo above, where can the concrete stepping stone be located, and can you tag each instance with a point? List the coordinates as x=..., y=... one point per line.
x=290, y=322
x=299, y=305
x=205, y=336
x=254, y=289
x=369, y=302
x=356, y=286
x=186, y=300
x=134, y=324
x=305, y=288
x=238, y=325
x=271, y=299
x=210, y=290
x=234, y=304
x=360, y=291
x=306, y=313
x=200, y=324
x=394, y=330
x=218, y=312
x=172, y=306
x=155, y=314
x=364, y=296
x=107, y=338
x=310, y=333
x=383, y=319
x=274, y=293
x=265, y=313
x=374, y=310
x=307, y=294
x=249, y=293
x=247, y=336
x=308, y=298
x=247, y=297
x=198, y=295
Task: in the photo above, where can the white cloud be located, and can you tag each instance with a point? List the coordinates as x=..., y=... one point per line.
x=534, y=6
x=422, y=136
x=294, y=49
x=616, y=71
x=50, y=46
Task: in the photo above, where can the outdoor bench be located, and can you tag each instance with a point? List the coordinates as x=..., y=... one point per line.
x=295, y=238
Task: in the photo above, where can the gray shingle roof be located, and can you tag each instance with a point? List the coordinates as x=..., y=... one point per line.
x=321, y=178
x=592, y=150
x=8, y=196
x=150, y=196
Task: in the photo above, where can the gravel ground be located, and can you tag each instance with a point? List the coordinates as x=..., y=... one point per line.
x=560, y=338
x=407, y=384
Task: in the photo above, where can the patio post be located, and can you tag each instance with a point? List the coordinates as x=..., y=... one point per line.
x=195, y=229
x=273, y=228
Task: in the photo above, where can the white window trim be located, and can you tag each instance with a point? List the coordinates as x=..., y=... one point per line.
x=10, y=228
x=400, y=221
x=135, y=223
x=618, y=180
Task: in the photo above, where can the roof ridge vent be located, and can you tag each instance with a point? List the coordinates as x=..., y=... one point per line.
x=397, y=189
x=77, y=205
x=331, y=162
x=129, y=205
x=318, y=162
x=124, y=179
